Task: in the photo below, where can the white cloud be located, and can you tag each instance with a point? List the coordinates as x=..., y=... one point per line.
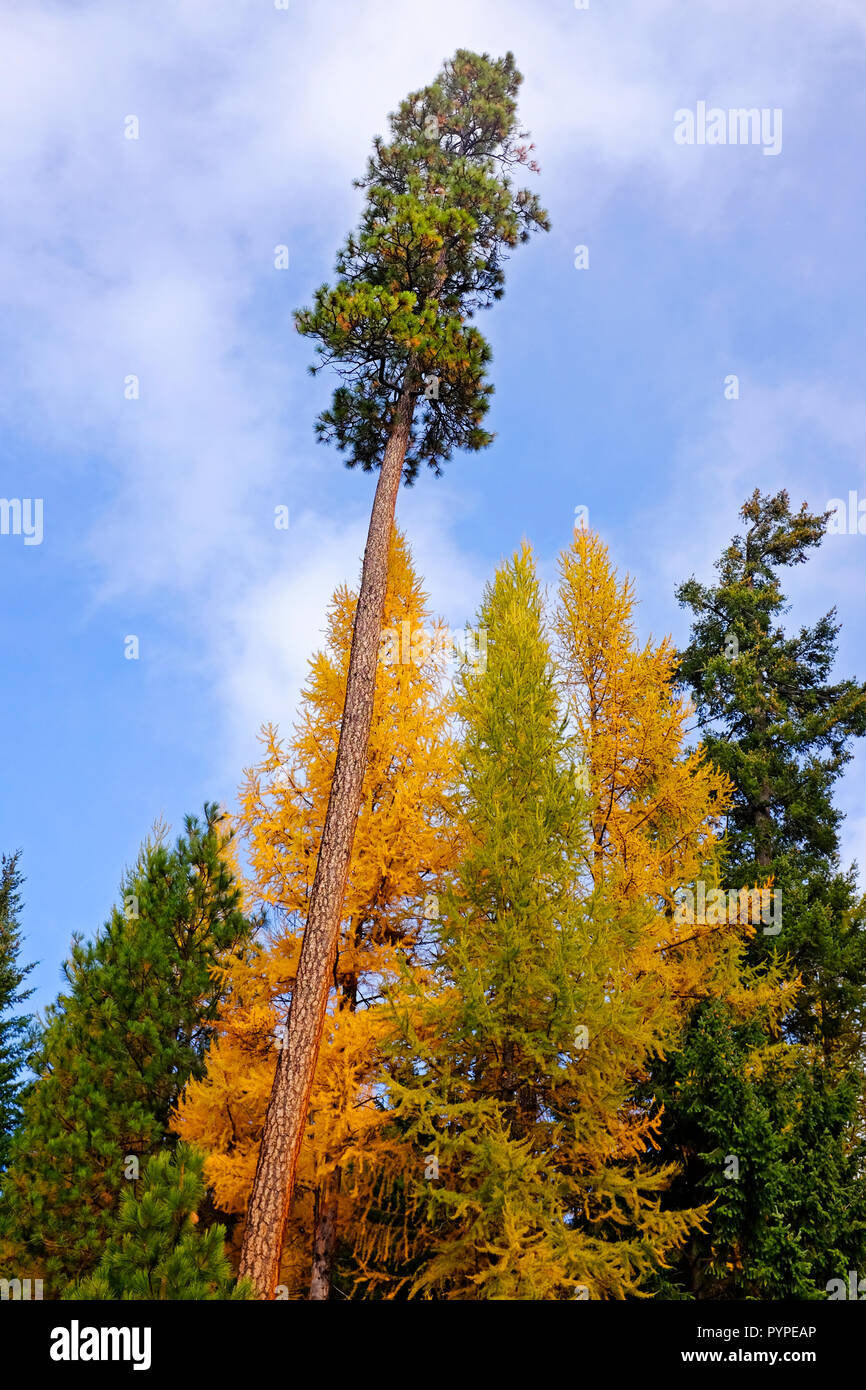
x=262, y=631
x=153, y=257
x=742, y=444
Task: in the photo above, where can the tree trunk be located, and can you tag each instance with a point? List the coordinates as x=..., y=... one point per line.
x=325, y=1236
x=296, y=1062
x=763, y=818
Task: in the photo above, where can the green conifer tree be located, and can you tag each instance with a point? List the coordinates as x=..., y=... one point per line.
x=117, y=1049
x=790, y=1212
x=512, y=1078
x=16, y=1030
x=157, y=1249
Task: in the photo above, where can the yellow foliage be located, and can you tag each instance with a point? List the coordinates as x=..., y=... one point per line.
x=658, y=807
x=402, y=846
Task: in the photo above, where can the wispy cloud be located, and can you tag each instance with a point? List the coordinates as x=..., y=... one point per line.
x=155, y=258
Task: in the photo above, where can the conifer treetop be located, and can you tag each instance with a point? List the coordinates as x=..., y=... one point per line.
x=439, y=217
x=772, y=716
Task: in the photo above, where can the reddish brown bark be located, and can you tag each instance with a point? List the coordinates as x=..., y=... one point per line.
x=296, y=1062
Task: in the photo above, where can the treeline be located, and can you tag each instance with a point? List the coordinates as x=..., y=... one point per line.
x=595, y=1027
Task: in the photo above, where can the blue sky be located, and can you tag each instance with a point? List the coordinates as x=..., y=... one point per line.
x=155, y=257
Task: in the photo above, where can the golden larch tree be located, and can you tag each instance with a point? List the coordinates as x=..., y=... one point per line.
x=402, y=845
x=658, y=805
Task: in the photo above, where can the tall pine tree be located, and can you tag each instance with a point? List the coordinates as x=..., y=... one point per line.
x=440, y=216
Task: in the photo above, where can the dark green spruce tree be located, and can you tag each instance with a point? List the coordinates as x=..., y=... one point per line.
x=790, y=1213
x=16, y=1029
x=118, y=1046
